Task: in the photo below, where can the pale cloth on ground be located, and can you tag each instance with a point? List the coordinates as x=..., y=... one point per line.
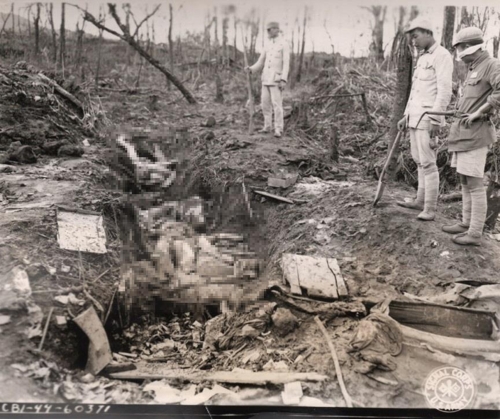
x=470, y=163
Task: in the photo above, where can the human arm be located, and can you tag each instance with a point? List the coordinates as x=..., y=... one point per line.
x=259, y=65
x=443, y=65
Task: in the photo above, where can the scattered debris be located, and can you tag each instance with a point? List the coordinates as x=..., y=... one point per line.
x=61, y=321
x=317, y=276
x=377, y=339
x=99, y=355
x=335, y=358
x=282, y=180
x=284, y=321
x=81, y=231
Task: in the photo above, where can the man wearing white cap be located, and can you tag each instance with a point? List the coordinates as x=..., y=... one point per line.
x=275, y=63
x=431, y=91
x=471, y=135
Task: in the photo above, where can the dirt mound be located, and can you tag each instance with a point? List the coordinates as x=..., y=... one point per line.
x=38, y=112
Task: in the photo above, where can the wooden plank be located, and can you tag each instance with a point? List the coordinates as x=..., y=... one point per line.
x=158, y=371
x=277, y=197
x=339, y=278
x=290, y=272
x=486, y=349
x=316, y=277
x=444, y=320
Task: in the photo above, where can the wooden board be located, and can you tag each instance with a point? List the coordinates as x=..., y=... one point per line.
x=158, y=371
x=314, y=276
x=456, y=322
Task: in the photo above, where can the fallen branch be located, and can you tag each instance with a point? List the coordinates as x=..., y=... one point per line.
x=338, y=370
x=129, y=39
x=46, y=328
x=62, y=91
x=455, y=196
x=152, y=371
x=277, y=197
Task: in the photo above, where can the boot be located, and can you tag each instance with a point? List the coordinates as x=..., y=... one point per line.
x=431, y=194
x=466, y=239
x=415, y=204
x=265, y=130
x=418, y=202
x=455, y=228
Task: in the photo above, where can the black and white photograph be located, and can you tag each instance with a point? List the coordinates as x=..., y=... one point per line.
x=287, y=206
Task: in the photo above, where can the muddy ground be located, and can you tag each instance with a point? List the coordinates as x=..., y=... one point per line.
x=383, y=252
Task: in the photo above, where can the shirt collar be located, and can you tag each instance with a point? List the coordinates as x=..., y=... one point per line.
x=432, y=48
x=483, y=56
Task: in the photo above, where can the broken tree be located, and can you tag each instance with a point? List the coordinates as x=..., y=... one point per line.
x=133, y=42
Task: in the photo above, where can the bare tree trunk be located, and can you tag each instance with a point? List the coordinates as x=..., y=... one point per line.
x=291, y=75
x=403, y=88
x=251, y=107
x=29, y=20
x=448, y=27
x=496, y=45
x=219, y=95
x=127, y=37
x=13, y=20
x=225, y=27
x=36, y=23
x=235, y=56
x=5, y=22
x=377, y=46
x=397, y=38
x=62, y=38
x=301, y=57
x=99, y=52
x=50, y=13
x=170, y=41
x=79, y=47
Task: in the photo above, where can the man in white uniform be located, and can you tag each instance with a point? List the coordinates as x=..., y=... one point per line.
x=430, y=91
x=274, y=63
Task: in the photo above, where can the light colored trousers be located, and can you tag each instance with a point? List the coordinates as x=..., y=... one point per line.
x=272, y=99
x=421, y=151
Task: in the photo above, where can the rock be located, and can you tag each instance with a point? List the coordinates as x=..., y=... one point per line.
x=292, y=393
x=70, y=150
x=22, y=155
x=52, y=147
x=36, y=271
x=209, y=123
x=7, y=168
x=284, y=321
x=209, y=136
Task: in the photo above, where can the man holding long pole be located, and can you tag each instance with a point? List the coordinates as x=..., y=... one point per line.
x=431, y=91
x=275, y=63
x=471, y=135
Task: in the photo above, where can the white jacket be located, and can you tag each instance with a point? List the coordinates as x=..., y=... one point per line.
x=274, y=61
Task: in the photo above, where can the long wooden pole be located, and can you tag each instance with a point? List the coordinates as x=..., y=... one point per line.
x=251, y=106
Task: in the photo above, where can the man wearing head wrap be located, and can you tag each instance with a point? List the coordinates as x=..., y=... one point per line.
x=471, y=135
x=430, y=91
x=274, y=63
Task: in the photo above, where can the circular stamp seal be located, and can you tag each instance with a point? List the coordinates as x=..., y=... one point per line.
x=449, y=389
